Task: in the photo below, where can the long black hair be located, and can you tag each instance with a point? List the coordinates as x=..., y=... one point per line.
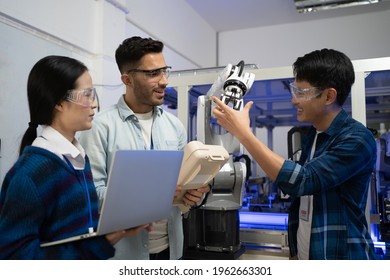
x=48, y=82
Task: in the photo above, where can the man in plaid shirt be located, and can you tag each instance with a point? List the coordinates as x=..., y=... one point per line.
x=329, y=184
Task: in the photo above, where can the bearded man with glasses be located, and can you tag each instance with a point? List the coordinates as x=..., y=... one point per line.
x=138, y=122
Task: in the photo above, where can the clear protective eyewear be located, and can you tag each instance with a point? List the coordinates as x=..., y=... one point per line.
x=153, y=75
x=84, y=97
x=304, y=94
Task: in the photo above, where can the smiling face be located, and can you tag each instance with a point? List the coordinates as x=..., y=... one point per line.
x=143, y=92
x=310, y=109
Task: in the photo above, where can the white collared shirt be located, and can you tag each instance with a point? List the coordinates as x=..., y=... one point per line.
x=56, y=143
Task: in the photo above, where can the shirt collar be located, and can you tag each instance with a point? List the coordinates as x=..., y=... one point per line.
x=56, y=143
x=333, y=129
x=125, y=112
x=337, y=123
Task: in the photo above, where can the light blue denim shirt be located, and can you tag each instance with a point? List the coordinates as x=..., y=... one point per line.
x=117, y=128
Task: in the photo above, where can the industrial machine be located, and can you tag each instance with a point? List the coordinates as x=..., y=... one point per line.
x=382, y=180
x=212, y=229
x=263, y=215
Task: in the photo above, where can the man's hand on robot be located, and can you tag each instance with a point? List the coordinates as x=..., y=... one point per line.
x=237, y=85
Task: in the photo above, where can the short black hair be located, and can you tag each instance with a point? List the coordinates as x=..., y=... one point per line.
x=326, y=68
x=130, y=52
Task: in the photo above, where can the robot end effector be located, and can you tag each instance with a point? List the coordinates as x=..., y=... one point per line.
x=230, y=86
x=236, y=85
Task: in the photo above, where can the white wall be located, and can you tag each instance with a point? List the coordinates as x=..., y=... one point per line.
x=360, y=36
x=88, y=30
x=67, y=20
x=174, y=22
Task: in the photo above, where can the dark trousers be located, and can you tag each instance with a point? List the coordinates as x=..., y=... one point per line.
x=163, y=255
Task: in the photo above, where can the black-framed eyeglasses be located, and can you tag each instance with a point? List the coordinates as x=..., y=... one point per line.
x=153, y=75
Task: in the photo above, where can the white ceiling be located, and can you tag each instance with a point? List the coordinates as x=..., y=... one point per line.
x=225, y=15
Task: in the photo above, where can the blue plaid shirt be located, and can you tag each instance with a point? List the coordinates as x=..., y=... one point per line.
x=42, y=199
x=338, y=177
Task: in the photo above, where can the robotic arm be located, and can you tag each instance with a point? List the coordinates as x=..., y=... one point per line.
x=217, y=219
x=230, y=86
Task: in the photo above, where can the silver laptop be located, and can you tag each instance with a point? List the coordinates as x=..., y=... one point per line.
x=140, y=190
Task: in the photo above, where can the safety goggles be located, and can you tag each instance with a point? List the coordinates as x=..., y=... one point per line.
x=304, y=94
x=154, y=75
x=84, y=97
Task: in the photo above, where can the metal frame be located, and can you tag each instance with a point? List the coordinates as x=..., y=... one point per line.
x=183, y=83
